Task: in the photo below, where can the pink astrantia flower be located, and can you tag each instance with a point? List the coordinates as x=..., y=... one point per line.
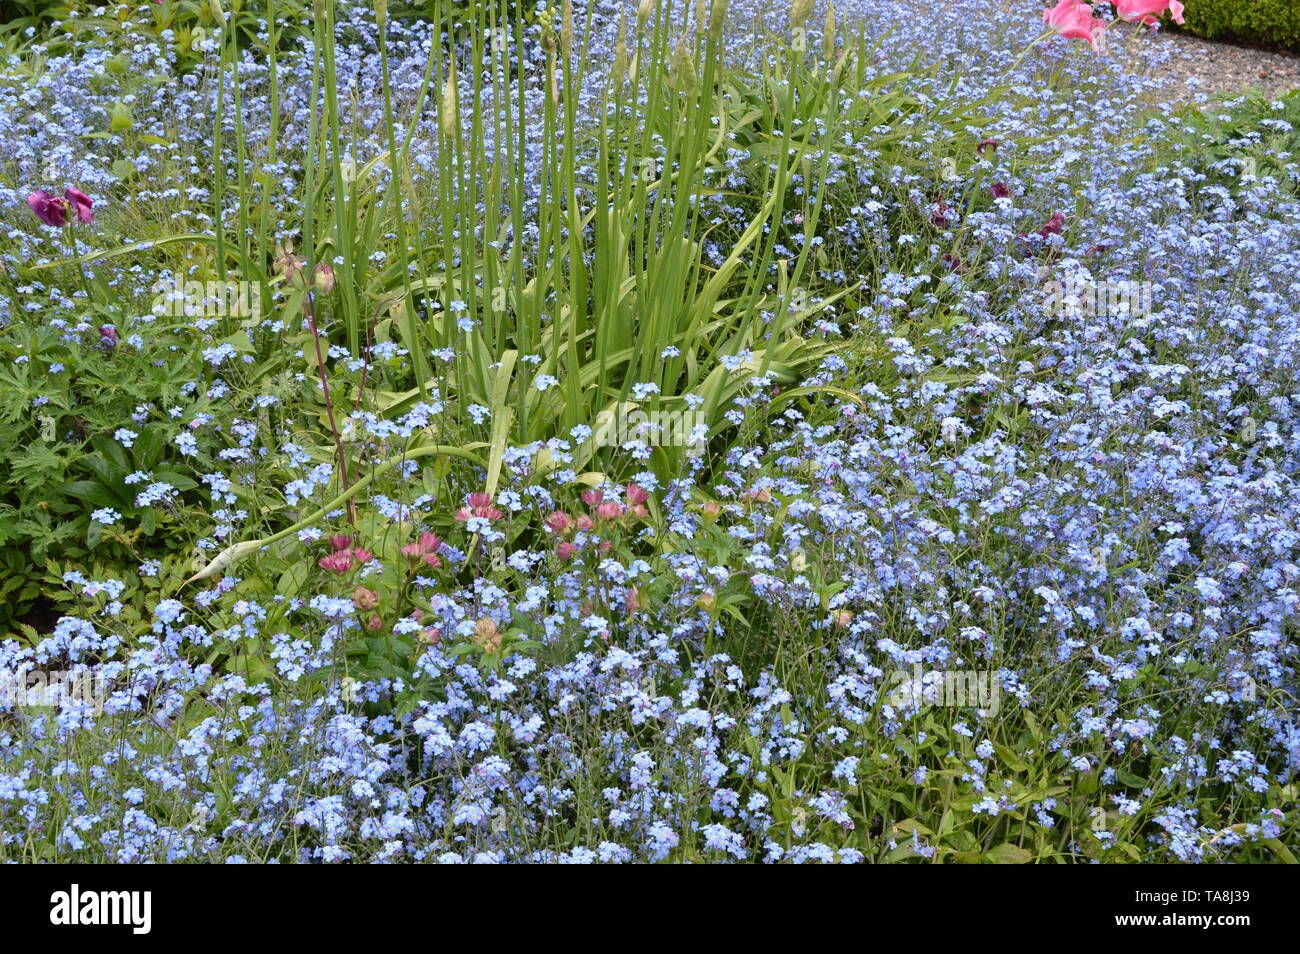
x=1148, y=11
x=425, y=549
x=478, y=505
x=1073, y=19
x=339, y=562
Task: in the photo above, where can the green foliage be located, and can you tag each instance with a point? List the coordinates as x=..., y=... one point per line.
x=1249, y=137
x=65, y=23
x=67, y=394
x=1273, y=22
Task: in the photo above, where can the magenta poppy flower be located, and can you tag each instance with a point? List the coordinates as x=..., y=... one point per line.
x=1148, y=11
x=1053, y=226
x=51, y=209
x=59, y=211
x=80, y=203
x=1073, y=19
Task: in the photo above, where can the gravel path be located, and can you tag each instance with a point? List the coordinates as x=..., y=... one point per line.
x=1194, y=65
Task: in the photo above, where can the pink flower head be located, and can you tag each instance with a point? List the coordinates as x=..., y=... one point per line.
x=478, y=505
x=940, y=213
x=339, y=562
x=1148, y=11
x=1073, y=19
x=80, y=203
x=340, y=542
x=557, y=521
x=323, y=279
x=108, y=336
x=50, y=209
x=987, y=144
x=360, y=555
x=584, y=522
x=364, y=599
x=592, y=497
x=1053, y=226
x=609, y=510
x=430, y=542
x=636, y=494
x=565, y=550
x=1000, y=190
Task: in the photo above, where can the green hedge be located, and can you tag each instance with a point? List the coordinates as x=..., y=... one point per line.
x=1272, y=22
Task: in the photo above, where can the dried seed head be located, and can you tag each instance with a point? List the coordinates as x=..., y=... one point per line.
x=381, y=13
x=800, y=10
x=683, y=65
x=828, y=33
x=566, y=29
x=619, y=68
x=717, y=16
x=448, y=120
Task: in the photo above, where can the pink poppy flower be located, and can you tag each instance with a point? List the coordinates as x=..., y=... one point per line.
x=80, y=204
x=50, y=209
x=1053, y=226
x=1148, y=11
x=1073, y=19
